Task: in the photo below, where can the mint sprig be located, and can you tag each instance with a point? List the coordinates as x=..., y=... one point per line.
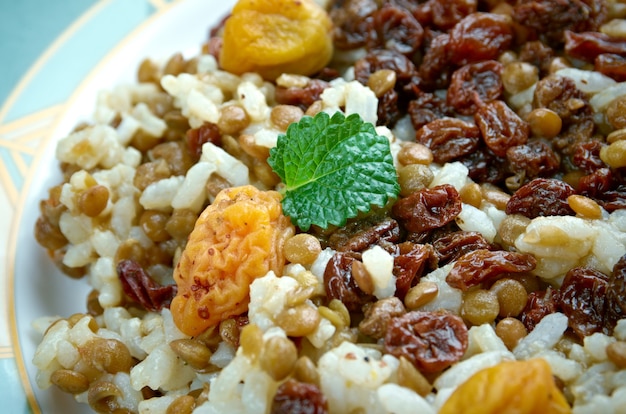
x=332, y=169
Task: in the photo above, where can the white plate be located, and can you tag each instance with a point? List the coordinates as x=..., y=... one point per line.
x=40, y=289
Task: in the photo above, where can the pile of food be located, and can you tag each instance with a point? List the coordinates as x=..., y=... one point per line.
x=353, y=206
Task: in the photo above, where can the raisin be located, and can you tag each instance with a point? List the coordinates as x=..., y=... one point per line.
x=483, y=265
x=435, y=69
x=587, y=156
x=359, y=235
x=534, y=159
x=449, y=138
x=611, y=65
x=295, y=397
x=485, y=167
x=615, y=292
x=605, y=187
x=350, y=22
x=549, y=19
x=500, y=127
x=196, y=137
x=582, y=300
x=396, y=29
x=447, y=13
x=541, y=197
x=388, y=111
x=478, y=37
x=141, y=288
x=340, y=284
x=428, y=209
x=475, y=83
x=589, y=45
x=301, y=97
x=538, y=54
x=452, y=246
x=377, y=316
x=560, y=95
x=427, y=107
x=375, y=60
x=409, y=265
x=540, y=303
x=432, y=341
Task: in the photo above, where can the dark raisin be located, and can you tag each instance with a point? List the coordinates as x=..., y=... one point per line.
x=359, y=235
x=541, y=197
x=377, y=316
x=340, y=284
x=474, y=84
x=500, y=127
x=207, y=132
x=615, y=293
x=478, y=37
x=295, y=397
x=427, y=107
x=587, y=156
x=388, y=111
x=447, y=13
x=452, y=246
x=432, y=341
x=350, y=21
x=582, y=300
x=435, y=69
x=406, y=72
x=141, y=288
x=534, y=159
x=449, y=138
x=485, y=167
x=428, y=209
x=483, y=265
x=589, y=45
x=301, y=97
x=537, y=53
x=396, y=29
x=611, y=65
x=409, y=265
x=539, y=304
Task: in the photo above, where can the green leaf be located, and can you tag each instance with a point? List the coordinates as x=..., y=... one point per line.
x=333, y=168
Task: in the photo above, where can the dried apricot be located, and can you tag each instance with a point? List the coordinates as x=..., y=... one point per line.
x=272, y=37
x=236, y=239
x=520, y=387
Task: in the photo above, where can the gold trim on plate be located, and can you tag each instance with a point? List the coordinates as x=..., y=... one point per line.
x=46, y=141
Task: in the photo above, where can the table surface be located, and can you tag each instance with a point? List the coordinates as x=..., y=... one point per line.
x=47, y=49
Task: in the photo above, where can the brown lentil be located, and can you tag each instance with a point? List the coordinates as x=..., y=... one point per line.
x=299, y=321
x=495, y=196
x=382, y=81
x=362, y=277
x=229, y=332
x=512, y=227
x=194, y=352
x=144, y=141
x=512, y=296
x=510, y=330
x=153, y=224
x=264, y=173
x=148, y=72
x=180, y=223
x=215, y=184
x=102, y=397
x=93, y=305
x=109, y=355
x=616, y=352
x=614, y=155
x=471, y=194
x=340, y=308
x=284, y=115
x=411, y=378
x=480, y=306
x=617, y=135
x=233, y=119
x=251, y=341
x=249, y=145
x=421, y=294
x=176, y=120
x=332, y=316
x=70, y=381
x=315, y=108
x=305, y=371
x=151, y=172
x=92, y=201
x=131, y=249
x=519, y=76
x=182, y=405
x=544, y=123
x=584, y=207
x=414, y=153
x=175, y=65
x=414, y=177
x=302, y=248
x=279, y=357
x=558, y=63
x=573, y=177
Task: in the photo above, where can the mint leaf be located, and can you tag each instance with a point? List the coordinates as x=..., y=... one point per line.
x=332, y=169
